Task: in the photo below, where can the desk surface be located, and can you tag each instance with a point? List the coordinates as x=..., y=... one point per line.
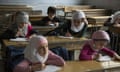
x=86, y=66
x=115, y=30
x=70, y=44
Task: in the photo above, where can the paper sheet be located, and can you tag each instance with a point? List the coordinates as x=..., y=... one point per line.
x=18, y=39
x=65, y=37
x=50, y=68
x=105, y=58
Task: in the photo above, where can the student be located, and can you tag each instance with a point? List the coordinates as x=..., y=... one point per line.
x=38, y=56
x=95, y=47
x=51, y=19
x=76, y=27
x=21, y=27
x=114, y=21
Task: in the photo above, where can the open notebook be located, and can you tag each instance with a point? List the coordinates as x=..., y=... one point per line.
x=18, y=39
x=50, y=68
x=65, y=37
x=105, y=58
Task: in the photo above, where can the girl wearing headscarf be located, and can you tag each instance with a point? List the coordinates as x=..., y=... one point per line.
x=21, y=26
x=114, y=21
x=37, y=56
x=96, y=47
x=76, y=27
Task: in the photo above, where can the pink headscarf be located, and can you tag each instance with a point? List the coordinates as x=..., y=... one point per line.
x=98, y=35
x=31, y=50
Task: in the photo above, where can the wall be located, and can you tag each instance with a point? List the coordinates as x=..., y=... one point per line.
x=41, y=4
x=108, y=4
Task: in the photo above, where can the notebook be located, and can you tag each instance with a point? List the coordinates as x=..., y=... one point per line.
x=65, y=37
x=50, y=68
x=105, y=58
x=18, y=39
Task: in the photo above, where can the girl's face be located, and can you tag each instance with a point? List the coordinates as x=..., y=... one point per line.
x=118, y=20
x=22, y=25
x=77, y=22
x=100, y=44
x=43, y=49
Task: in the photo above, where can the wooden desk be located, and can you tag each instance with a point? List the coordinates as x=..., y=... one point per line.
x=36, y=17
x=70, y=44
x=43, y=29
x=89, y=66
x=88, y=12
x=78, y=7
x=115, y=30
x=71, y=7
x=97, y=20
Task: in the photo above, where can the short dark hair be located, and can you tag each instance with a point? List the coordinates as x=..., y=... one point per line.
x=51, y=10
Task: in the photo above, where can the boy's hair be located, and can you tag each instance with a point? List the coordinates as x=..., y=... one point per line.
x=51, y=10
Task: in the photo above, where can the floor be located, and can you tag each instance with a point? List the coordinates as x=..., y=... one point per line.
x=1, y=66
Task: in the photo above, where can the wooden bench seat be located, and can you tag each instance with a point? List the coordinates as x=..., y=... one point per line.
x=88, y=12
x=97, y=20
x=43, y=29
x=73, y=7
x=36, y=17
x=69, y=8
x=15, y=7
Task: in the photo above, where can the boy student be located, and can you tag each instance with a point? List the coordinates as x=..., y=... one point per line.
x=51, y=19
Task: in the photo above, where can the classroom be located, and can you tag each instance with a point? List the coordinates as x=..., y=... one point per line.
x=59, y=36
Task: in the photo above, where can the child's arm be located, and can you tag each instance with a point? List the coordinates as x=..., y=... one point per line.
x=116, y=56
x=84, y=53
x=111, y=53
x=54, y=59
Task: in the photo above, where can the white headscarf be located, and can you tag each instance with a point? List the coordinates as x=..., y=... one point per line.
x=31, y=50
x=115, y=16
x=76, y=16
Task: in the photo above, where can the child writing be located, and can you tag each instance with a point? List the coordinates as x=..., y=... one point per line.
x=51, y=19
x=21, y=27
x=95, y=47
x=75, y=27
x=38, y=56
x=113, y=22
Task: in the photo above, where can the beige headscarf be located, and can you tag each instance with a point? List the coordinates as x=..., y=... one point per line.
x=31, y=50
x=78, y=14
x=115, y=16
x=22, y=17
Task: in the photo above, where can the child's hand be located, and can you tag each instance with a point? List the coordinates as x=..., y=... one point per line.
x=97, y=56
x=117, y=25
x=37, y=67
x=49, y=22
x=68, y=34
x=116, y=56
x=33, y=35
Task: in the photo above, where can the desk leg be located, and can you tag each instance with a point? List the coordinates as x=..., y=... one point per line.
x=71, y=55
